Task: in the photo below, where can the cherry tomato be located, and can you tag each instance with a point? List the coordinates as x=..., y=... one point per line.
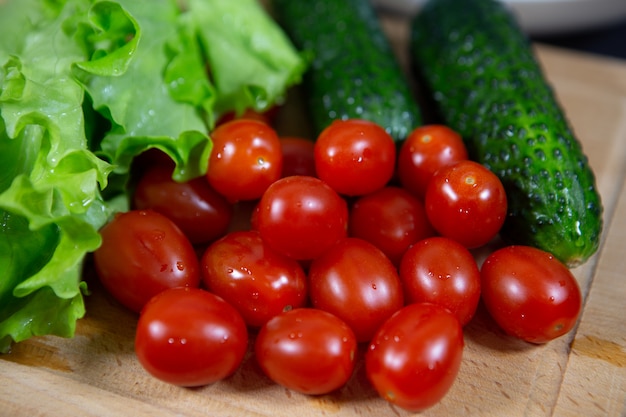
x=355, y=281
x=301, y=216
x=143, y=253
x=427, y=149
x=199, y=211
x=466, y=202
x=415, y=356
x=246, y=158
x=306, y=350
x=355, y=157
x=260, y=283
x=530, y=294
x=442, y=271
x=190, y=337
x=392, y=219
x=298, y=156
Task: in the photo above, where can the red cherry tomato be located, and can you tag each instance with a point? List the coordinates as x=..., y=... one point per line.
x=298, y=156
x=260, y=283
x=415, y=356
x=190, y=337
x=530, y=294
x=356, y=282
x=392, y=219
x=442, y=271
x=301, y=217
x=466, y=202
x=355, y=157
x=306, y=350
x=246, y=158
x=199, y=211
x=426, y=150
x=143, y=253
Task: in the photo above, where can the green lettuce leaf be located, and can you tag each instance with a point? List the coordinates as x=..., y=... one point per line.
x=50, y=202
x=87, y=85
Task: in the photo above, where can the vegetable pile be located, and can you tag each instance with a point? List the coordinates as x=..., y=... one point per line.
x=85, y=86
x=144, y=134
x=337, y=259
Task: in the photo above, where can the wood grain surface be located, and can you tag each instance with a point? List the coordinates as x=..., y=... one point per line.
x=581, y=374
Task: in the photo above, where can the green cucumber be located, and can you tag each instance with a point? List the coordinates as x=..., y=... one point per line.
x=486, y=83
x=354, y=72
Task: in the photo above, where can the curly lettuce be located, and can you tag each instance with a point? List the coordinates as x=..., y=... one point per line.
x=86, y=86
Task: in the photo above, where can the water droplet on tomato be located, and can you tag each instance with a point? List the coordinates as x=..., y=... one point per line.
x=180, y=266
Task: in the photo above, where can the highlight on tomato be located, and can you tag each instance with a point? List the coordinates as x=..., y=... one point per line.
x=246, y=158
x=355, y=281
x=415, y=356
x=530, y=293
x=246, y=272
x=427, y=149
x=301, y=217
x=392, y=219
x=190, y=337
x=355, y=157
x=194, y=206
x=307, y=350
x=466, y=202
x=143, y=253
x=440, y=270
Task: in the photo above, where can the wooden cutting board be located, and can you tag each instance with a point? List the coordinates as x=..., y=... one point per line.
x=580, y=374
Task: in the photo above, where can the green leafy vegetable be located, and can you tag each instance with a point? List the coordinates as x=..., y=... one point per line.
x=155, y=74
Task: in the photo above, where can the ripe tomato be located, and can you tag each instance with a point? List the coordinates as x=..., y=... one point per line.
x=425, y=150
x=392, y=219
x=199, y=211
x=306, y=350
x=442, y=271
x=355, y=157
x=301, y=217
x=143, y=253
x=190, y=337
x=530, y=294
x=298, y=156
x=415, y=356
x=355, y=281
x=260, y=283
x=246, y=158
x=466, y=202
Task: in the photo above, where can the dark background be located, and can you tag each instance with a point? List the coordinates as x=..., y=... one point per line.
x=608, y=41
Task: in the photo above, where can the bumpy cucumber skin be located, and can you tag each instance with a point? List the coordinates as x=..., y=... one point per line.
x=354, y=72
x=487, y=84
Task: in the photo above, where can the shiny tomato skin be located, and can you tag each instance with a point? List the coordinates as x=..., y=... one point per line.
x=427, y=149
x=442, y=271
x=355, y=281
x=190, y=337
x=301, y=216
x=355, y=157
x=246, y=158
x=415, y=356
x=260, y=283
x=298, y=157
x=530, y=294
x=391, y=218
x=307, y=350
x=197, y=209
x=466, y=202
x=143, y=253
